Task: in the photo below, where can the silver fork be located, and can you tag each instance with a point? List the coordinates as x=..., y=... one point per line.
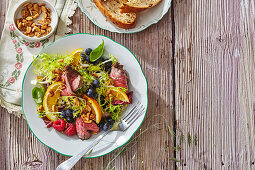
x=125, y=122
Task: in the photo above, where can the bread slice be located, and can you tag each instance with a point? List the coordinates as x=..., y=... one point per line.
x=138, y=5
x=111, y=9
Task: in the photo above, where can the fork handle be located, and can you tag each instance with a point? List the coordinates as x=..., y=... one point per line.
x=69, y=163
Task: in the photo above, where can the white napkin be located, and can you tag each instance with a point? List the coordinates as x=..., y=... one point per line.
x=17, y=53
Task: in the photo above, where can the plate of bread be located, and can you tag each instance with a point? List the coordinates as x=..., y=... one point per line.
x=124, y=16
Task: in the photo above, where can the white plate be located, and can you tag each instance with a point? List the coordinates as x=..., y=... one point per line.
x=71, y=145
x=144, y=19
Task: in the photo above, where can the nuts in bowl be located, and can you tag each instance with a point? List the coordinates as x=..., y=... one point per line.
x=35, y=20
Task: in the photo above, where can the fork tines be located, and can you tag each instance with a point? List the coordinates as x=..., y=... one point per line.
x=134, y=113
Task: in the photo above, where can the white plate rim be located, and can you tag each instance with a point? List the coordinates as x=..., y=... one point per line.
x=126, y=31
x=132, y=133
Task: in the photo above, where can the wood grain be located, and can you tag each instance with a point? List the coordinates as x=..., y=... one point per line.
x=209, y=87
x=150, y=150
x=245, y=56
x=214, y=73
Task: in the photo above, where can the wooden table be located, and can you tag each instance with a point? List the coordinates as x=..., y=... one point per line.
x=200, y=65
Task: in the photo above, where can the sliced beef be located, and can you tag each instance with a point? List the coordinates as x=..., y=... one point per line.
x=119, y=76
x=74, y=78
x=82, y=132
x=73, y=81
x=83, y=129
x=68, y=90
x=116, y=102
x=76, y=82
x=91, y=127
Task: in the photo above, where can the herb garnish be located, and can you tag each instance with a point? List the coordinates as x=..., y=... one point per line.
x=37, y=94
x=97, y=53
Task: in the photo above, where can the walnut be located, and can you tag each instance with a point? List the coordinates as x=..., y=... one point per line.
x=33, y=11
x=76, y=102
x=40, y=108
x=54, y=108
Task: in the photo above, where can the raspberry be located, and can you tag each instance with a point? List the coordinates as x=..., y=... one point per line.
x=59, y=125
x=70, y=130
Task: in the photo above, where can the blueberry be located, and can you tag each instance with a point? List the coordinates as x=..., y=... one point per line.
x=69, y=119
x=107, y=126
x=98, y=61
x=95, y=83
x=90, y=92
x=88, y=51
x=111, y=121
x=69, y=112
x=85, y=57
x=108, y=65
x=63, y=113
x=95, y=95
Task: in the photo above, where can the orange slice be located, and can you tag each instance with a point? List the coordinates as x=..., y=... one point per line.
x=77, y=56
x=50, y=98
x=119, y=94
x=95, y=108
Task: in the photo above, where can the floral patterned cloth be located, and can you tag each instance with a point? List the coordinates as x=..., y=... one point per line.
x=17, y=53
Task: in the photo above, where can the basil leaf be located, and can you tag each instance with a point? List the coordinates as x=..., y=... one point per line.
x=97, y=53
x=37, y=94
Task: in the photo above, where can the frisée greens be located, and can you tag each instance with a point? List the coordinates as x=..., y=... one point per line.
x=84, y=88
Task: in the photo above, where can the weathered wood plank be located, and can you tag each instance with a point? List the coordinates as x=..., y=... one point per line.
x=214, y=65
x=151, y=150
x=4, y=139
x=246, y=91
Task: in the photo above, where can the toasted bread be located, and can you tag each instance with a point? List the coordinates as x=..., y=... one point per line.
x=137, y=5
x=111, y=9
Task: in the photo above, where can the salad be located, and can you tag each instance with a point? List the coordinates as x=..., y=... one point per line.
x=80, y=93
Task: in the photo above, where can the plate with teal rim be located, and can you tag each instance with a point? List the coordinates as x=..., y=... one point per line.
x=144, y=19
x=69, y=146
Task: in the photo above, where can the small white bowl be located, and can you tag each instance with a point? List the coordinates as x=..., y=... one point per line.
x=53, y=14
